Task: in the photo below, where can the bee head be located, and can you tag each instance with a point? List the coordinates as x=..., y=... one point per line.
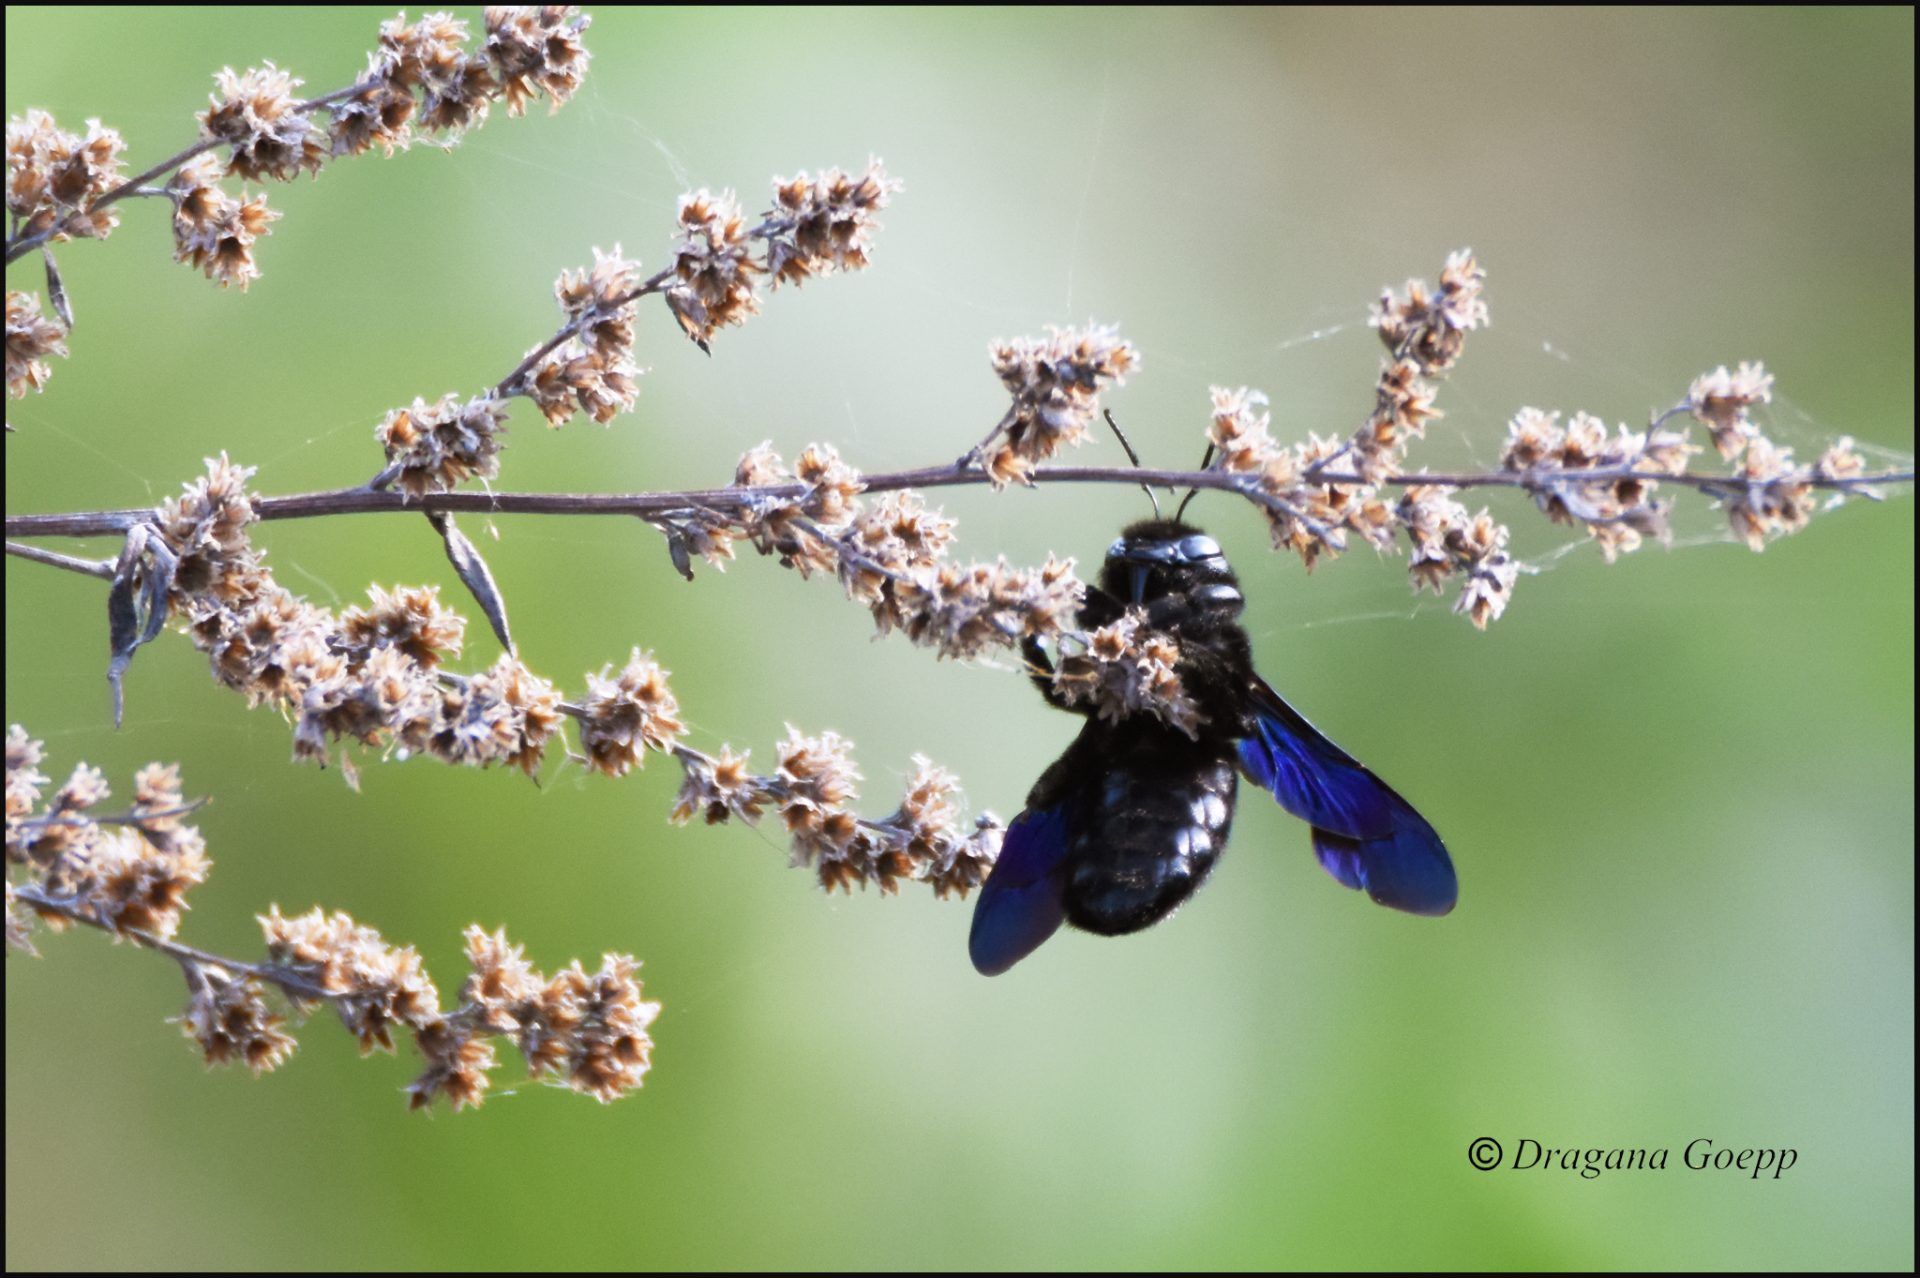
x=1157, y=558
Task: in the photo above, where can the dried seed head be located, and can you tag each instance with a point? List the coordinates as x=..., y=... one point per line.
x=1056, y=382
x=1431, y=328
x=230, y=1020
x=53, y=178
x=832, y=222
x=1720, y=401
x=31, y=337
x=257, y=115
x=536, y=49
x=212, y=230
x=627, y=715
x=713, y=259
x=440, y=445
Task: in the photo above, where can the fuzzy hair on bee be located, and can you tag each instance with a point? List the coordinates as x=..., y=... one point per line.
x=1132, y=818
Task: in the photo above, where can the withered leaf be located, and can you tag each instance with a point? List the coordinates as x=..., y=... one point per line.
x=136, y=603
x=475, y=575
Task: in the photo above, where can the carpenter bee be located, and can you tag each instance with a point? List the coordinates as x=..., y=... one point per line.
x=1129, y=821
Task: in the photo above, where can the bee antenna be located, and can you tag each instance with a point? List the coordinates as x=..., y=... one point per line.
x=1132, y=457
x=1205, y=461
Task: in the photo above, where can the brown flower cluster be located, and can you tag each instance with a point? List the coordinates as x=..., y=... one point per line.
x=374, y=674
x=128, y=872
x=961, y=610
x=1431, y=327
x=891, y=557
x=421, y=74
x=829, y=222
x=891, y=543
x=816, y=227
x=589, y=1029
x=432, y=447
x=1124, y=669
x=57, y=181
x=714, y=260
x=1768, y=495
x=427, y=58
x=31, y=337
x=1720, y=400
x=54, y=177
x=536, y=49
x=814, y=790
x=1424, y=333
x=589, y=369
x=802, y=530
x=1318, y=493
x=1447, y=541
x=373, y=987
x=261, y=121
x=53, y=180
x=369, y=675
x=1306, y=514
x=1580, y=474
x=626, y=715
x=422, y=71
x=1772, y=496
x=504, y=714
x=229, y=1016
x=1056, y=382
x=213, y=230
x=1310, y=513
x=593, y=370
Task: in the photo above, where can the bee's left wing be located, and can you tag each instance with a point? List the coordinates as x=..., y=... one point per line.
x=1020, y=905
x=1366, y=835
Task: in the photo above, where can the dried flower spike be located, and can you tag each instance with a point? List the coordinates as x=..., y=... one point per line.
x=830, y=222
x=1056, y=383
x=257, y=115
x=31, y=337
x=54, y=177
x=1720, y=401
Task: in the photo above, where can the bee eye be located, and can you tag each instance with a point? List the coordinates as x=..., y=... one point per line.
x=1198, y=546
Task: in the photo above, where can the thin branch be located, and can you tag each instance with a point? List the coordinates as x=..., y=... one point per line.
x=363, y=500
x=73, y=909
x=510, y=384
x=101, y=568
x=1709, y=484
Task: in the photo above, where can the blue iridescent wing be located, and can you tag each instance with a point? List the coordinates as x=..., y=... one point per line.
x=1020, y=904
x=1367, y=836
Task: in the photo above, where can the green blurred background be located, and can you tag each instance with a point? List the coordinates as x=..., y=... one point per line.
x=1679, y=790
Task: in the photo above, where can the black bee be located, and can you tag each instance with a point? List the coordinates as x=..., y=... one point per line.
x=1129, y=821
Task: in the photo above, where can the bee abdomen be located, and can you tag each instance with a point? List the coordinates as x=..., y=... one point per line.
x=1152, y=837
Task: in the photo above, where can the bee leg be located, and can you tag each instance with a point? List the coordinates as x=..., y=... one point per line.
x=1099, y=608
x=1040, y=670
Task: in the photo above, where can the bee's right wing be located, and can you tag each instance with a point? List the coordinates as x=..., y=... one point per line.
x=1365, y=834
x=1020, y=903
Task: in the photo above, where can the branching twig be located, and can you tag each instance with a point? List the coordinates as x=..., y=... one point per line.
x=129, y=875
